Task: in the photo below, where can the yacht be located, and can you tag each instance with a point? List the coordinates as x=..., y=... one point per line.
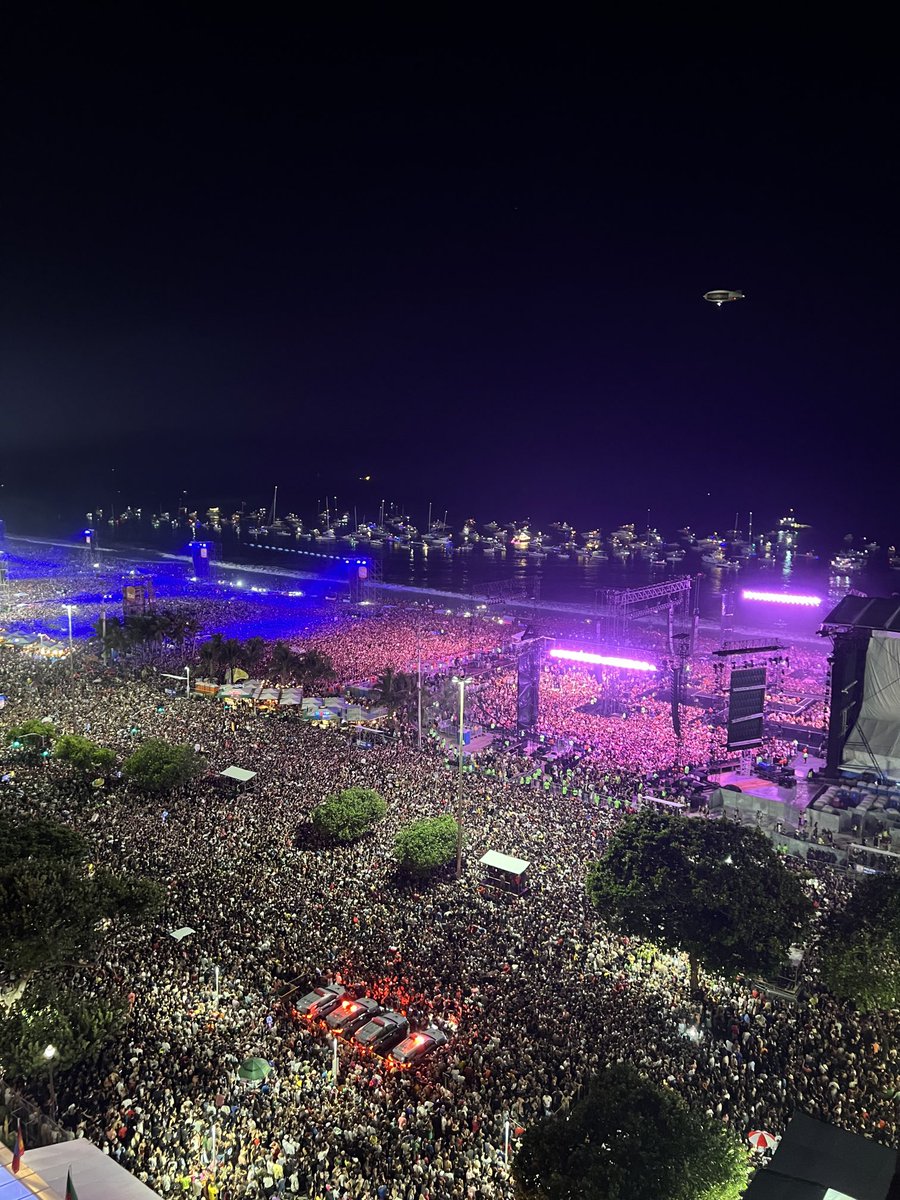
x=848, y=561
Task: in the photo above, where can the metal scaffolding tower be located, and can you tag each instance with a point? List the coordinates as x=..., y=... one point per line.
x=618, y=607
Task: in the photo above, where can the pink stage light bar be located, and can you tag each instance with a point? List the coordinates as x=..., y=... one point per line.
x=782, y=598
x=603, y=660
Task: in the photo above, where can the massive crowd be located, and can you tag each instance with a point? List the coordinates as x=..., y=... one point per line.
x=534, y=991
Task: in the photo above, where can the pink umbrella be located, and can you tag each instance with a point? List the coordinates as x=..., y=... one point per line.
x=760, y=1140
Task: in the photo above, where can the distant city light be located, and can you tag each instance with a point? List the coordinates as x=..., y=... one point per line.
x=782, y=598
x=603, y=660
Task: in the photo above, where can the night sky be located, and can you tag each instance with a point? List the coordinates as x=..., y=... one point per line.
x=466, y=262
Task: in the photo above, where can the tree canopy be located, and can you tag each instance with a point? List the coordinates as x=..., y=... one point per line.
x=84, y=756
x=713, y=889
x=860, y=947
x=425, y=845
x=31, y=739
x=77, y=1026
x=629, y=1139
x=348, y=814
x=53, y=902
x=158, y=767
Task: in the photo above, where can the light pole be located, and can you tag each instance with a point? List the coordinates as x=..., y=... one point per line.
x=69, y=609
x=419, y=671
x=50, y=1052
x=460, y=681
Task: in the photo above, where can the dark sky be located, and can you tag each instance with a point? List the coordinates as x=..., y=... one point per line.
x=468, y=262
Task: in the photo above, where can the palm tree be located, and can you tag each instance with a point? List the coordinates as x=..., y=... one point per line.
x=232, y=653
x=314, y=667
x=211, y=656
x=396, y=690
x=283, y=662
x=115, y=638
x=254, y=653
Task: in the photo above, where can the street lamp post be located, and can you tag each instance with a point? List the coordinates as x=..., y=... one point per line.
x=460, y=681
x=69, y=608
x=50, y=1053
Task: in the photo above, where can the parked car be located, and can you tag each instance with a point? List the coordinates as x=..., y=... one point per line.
x=321, y=1000
x=383, y=1032
x=351, y=1015
x=415, y=1047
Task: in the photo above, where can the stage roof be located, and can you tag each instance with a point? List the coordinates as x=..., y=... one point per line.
x=504, y=862
x=815, y=1160
x=866, y=612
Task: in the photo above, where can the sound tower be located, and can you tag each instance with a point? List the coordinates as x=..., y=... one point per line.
x=137, y=597
x=201, y=557
x=746, y=707
x=848, y=673
x=528, y=675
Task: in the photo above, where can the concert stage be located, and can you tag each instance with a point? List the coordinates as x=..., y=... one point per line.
x=764, y=801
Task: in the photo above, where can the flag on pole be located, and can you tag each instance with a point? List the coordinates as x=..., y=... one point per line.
x=18, y=1149
x=71, y=1194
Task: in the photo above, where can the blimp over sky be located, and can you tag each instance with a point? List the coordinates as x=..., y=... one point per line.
x=722, y=297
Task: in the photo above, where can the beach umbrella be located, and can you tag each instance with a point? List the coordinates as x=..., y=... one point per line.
x=759, y=1139
x=254, y=1069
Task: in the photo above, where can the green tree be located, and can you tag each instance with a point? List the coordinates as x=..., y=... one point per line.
x=31, y=739
x=629, y=1139
x=348, y=814
x=427, y=844
x=715, y=890
x=860, y=947
x=53, y=902
x=77, y=1026
x=158, y=767
x=85, y=757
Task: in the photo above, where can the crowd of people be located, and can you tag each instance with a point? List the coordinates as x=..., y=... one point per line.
x=534, y=992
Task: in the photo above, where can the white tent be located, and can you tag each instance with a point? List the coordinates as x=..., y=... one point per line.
x=95, y=1175
x=238, y=774
x=504, y=862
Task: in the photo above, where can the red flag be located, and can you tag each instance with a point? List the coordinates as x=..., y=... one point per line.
x=71, y=1194
x=18, y=1149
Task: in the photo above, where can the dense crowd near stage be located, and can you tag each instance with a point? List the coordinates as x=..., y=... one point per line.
x=533, y=991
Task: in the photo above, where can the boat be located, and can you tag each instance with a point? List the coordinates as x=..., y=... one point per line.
x=848, y=562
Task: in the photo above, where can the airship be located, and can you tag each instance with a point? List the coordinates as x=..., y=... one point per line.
x=720, y=298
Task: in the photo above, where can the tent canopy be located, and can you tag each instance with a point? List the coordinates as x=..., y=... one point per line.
x=238, y=774
x=96, y=1175
x=815, y=1155
x=504, y=862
